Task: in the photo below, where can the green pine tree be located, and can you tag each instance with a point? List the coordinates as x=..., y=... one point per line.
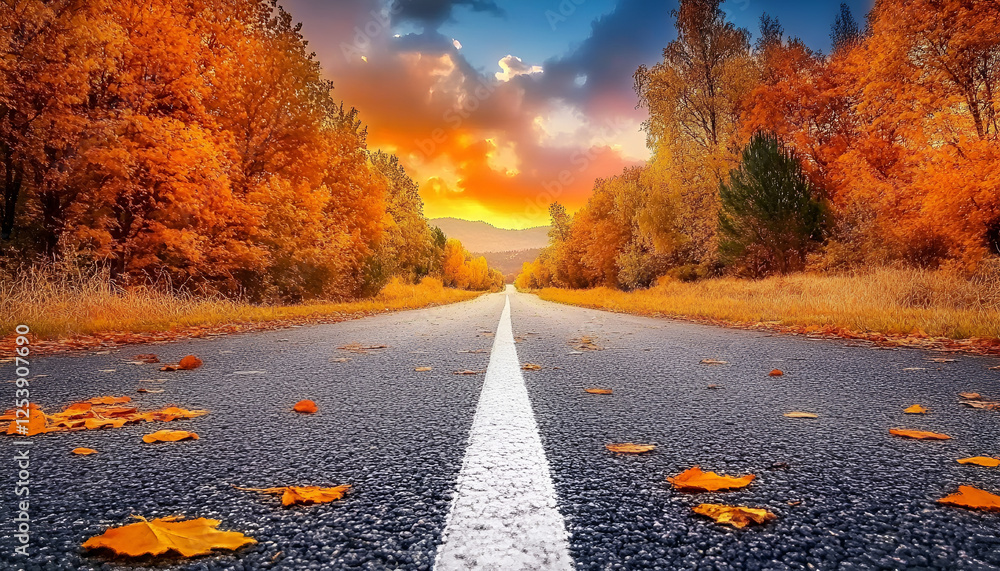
x=770, y=217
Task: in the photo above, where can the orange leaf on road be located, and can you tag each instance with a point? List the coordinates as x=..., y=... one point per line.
x=168, y=535
x=984, y=461
x=531, y=367
x=801, y=415
x=916, y=409
x=630, y=448
x=736, y=516
x=694, y=480
x=974, y=498
x=186, y=364
x=305, y=407
x=776, y=373
x=424, y=369
x=169, y=436
x=918, y=434
x=599, y=391
x=84, y=451
x=295, y=495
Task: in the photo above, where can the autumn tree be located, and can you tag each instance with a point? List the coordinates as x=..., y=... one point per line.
x=770, y=217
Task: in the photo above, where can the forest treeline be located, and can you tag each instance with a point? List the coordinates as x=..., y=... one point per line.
x=198, y=143
x=770, y=158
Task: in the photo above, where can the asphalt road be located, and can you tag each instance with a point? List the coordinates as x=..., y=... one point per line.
x=400, y=438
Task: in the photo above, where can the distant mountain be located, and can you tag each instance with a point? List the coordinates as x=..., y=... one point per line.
x=509, y=263
x=482, y=237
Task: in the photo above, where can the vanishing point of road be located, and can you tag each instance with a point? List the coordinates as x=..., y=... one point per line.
x=507, y=469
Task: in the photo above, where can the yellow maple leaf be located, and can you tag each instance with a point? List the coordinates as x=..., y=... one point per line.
x=736, y=516
x=160, y=536
x=294, y=495
x=695, y=480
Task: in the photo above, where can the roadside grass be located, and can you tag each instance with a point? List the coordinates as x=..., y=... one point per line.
x=885, y=301
x=59, y=305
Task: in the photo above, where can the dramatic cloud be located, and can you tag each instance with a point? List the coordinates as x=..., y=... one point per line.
x=513, y=67
x=432, y=13
x=495, y=144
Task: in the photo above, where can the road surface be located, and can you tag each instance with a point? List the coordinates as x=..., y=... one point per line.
x=507, y=469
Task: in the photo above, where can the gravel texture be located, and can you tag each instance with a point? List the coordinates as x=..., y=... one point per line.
x=868, y=499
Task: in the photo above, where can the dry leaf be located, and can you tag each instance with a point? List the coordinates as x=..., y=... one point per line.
x=801, y=415
x=629, y=448
x=165, y=535
x=776, y=373
x=108, y=400
x=713, y=387
x=918, y=434
x=469, y=372
x=186, y=364
x=795, y=503
x=84, y=451
x=305, y=407
x=598, y=391
x=169, y=436
x=694, y=480
x=340, y=360
x=147, y=358
x=586, y=343
x=970, y=396
x=941, y=360
x=530, y=367
x=713, y=362
x=149, y=391
x=424, y=369
x=36, y=422
x=916, y=409
x=736, y=516
x=295, y=495
x=974, y=498
x=361, y=349
x=984, y=461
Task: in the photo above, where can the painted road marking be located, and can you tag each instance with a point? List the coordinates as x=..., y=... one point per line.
x=504, y=513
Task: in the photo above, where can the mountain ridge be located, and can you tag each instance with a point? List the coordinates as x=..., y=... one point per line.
x=483, y=237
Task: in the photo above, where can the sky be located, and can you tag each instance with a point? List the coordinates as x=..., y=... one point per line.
x=499, y=107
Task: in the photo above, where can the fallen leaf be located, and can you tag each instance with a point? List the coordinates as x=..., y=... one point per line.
x=915, y=409
x=187, y=538
x=149, y=391
x=361, y=349
x=795, y=503
x=713, y=387
x=629, y=448
x=776, y=373
x=295, y=495
x=36, y=422
x=694, y=480
x=801, y=415
x=984, y=461
x=340, y=360
x=186, y=364
x=108, y=400
x=586, y=343
x=599, y=391
x=981, y=403
x=713, y=362
x=468, y=372
x=974, y=498
x=915, y=369
x=970, y=396
x=997, y=368
x=530, y=367
x=305, y=407
x=941, y=360
x=736, y=516
x=84, y=451
x=918, y=434
x=147, y=358
x=169, y=436
x=424, y=369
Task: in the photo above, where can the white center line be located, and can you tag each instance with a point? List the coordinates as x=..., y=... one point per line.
x=504, y=514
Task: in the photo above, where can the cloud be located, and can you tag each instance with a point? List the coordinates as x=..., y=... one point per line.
x=513, y=67
x=432, y=13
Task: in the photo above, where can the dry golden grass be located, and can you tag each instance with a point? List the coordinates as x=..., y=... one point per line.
x=888, y=301
x=56, y=306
